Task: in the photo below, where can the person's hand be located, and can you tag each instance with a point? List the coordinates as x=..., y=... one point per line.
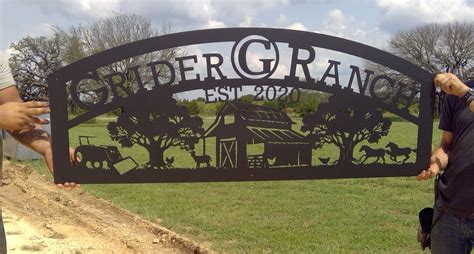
x=450, y=84
x=22, y=115
x=429, y=173
x=48, y=156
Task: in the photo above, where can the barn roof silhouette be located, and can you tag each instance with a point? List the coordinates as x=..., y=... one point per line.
x=258, y=123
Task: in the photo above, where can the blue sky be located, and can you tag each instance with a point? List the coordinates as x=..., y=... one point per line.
x=370, y=22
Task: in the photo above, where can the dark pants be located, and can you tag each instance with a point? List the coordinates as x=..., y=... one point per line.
x=452, y=234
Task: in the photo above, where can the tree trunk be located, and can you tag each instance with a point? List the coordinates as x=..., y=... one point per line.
x=346, y=152
x=344, y=156
x=155, y=154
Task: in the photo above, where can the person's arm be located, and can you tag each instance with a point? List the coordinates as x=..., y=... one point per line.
x=439, y=158
x=451, y=84
x=17, y=115
x=21, y=121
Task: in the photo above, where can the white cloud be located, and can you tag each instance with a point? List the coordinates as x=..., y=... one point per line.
x=282, y=20
x=338, y=24
x=187, y=14
x=98, y=8
x=197, y=12
x=79, y=9
x=335, y=23
x=6, y=53
x=215, y=24
x=246, y=23
x=42, y=29
x=297, y=26
x=282, y=71
x=403, y=14
x=235, y=13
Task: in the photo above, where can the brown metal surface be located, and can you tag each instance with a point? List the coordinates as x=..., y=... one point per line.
x=352, y=120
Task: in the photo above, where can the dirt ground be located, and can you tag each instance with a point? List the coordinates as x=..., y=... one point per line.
x=41, y=218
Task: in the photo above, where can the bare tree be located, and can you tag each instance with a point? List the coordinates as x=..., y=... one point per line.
x=35, y=58
x=434, y=47
x=118, y=30
x=448, y=47
x=32, y=60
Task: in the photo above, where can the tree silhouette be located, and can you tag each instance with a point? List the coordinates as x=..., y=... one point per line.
x=153, y=120
x=346, y=120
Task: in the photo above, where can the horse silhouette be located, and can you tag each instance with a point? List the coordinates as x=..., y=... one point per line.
x=372, y=153
x=396, y=151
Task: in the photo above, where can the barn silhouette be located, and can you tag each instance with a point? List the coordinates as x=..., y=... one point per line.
x=238, y=125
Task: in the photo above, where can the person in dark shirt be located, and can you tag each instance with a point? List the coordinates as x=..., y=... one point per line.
x=453, y=231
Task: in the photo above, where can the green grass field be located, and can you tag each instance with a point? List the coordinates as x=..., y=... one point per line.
x=377, y=215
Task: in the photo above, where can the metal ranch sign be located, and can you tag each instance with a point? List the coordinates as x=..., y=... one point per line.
x=254, y=77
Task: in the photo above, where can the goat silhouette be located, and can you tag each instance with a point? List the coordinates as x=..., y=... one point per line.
x=201, y=159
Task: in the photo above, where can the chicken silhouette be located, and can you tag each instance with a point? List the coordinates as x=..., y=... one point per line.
x=324, y=160
x=271, y=161
x=169, y=161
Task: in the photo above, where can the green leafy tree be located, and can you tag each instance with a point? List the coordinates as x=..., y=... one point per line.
x=345, y=120
x=308, y=102
x=248, y=98
x=191, y=105
x=155, y=121
x=33, y=59
x=275, y=104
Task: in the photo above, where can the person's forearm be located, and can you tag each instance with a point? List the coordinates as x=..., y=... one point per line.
x=37, y=139
x=440, y=158
x=471, y=106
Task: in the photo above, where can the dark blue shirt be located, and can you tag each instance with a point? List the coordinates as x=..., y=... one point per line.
x=457, y=182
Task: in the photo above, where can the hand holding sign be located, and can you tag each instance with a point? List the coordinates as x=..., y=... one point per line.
x=22, y=115
x=48, y=156
x=450, y=84
x=431, y=172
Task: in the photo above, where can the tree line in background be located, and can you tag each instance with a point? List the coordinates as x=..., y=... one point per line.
x=434, y=47
x=308, y=102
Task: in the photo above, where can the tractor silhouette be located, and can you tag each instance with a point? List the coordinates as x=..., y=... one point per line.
x=97, y=157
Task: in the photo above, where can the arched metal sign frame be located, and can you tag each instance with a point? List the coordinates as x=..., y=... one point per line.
x=296, y=40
